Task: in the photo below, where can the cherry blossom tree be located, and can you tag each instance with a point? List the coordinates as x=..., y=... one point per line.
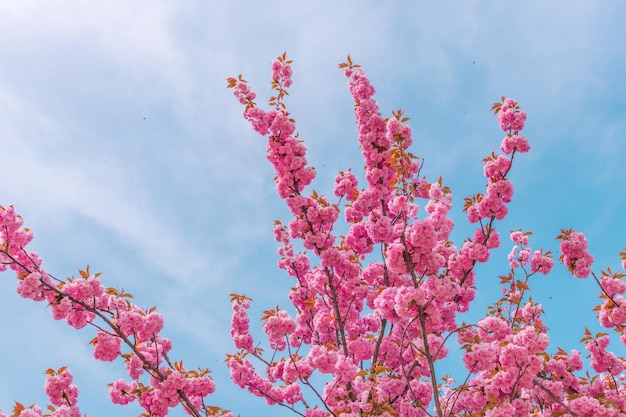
x=376, y=309
x=372, y=312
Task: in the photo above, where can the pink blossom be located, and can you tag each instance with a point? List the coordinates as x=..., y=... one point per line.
x=367, y=201
x=241, y=371
x=151, y=402
x=277, y=327
x=323, y=359
x=78, y=318
x=482, y=357
x=498, y=168
x=586, y=406
x=345, y=185
x=407, y=300
x=400, y=204
x=122, y=392
x=107, y=346
x=277, y=67
x=129, y=321
x=345, y=369
x=492, y=203
x=33, y=411
x=493, y=329
x=59, y=389
x=612, y=286
x=243, y=93
x=66, y=411
x=512, y=143
x=492, y=241
x=475, y=251
x=360, y=349
x=379, y=230
x=150, y=326
x=575, y=255
x=84, y=290
x=291, y=394
x=473, y=215
x=31, y=286
x=411, y=288
x=421, y=236
x=513, y=257
x=358, y=239
x=502, y=410
x=260, y=120
x=517, y=236
x=601, y=359
x=240, y=325
x=134, y=367
x=200, y=386
x=510, y=117
x=395, y=258
x=396, y=128
x=541, y=263
x=314, y=412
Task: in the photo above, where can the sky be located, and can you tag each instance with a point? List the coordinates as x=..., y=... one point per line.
x=122, y=149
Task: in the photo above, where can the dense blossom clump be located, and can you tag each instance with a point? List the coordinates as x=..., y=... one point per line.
x=574, y=253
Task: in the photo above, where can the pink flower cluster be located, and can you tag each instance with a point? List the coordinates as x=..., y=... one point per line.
x=601, y=359
x=505, y=360
x=499, y=192
x=312, y=210
x=278, y=327
x=240, y=325
x=244, y=94
x=14, y=239
x=107, y=346
x=612, y=312
x=167, y=392
x=574, y=254
x=510, y=117
x=282, y=72
x=284, y=151
x=32, y=411
x=511, y=120
x=62, y=393
x=243, y=374
x=521, y=254
x=346, y=185
x=499, y=189
x=60, y=390
x=122, y=392
x=512, y=143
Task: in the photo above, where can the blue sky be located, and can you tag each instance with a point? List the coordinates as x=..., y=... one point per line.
x=122, y=149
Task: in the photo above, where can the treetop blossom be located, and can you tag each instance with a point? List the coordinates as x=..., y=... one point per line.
x=377, y=306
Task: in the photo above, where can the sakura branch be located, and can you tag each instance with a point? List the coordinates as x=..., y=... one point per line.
x=118, y=322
